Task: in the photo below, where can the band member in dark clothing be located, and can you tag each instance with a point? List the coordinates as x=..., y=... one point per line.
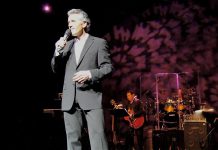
x=134, y=122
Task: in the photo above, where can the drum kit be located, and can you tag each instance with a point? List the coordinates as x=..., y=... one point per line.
x=172, y=111
x=170, y=116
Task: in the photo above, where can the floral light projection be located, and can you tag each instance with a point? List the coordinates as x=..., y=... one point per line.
x=170, y=38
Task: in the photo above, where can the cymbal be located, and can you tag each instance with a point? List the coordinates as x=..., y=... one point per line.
x=170, y=101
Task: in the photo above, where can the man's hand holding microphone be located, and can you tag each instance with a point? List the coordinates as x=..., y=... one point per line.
x=59, y=45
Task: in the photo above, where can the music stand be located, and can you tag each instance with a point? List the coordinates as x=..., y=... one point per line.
x=117, y=113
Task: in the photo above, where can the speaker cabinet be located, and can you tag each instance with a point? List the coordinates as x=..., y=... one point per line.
x=195, y=135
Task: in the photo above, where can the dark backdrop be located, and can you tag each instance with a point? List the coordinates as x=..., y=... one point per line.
x=29, y=41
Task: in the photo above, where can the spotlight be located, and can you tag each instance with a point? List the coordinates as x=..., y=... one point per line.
x=46, y=8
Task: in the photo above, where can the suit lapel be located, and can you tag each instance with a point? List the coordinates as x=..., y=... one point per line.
x=86, y=47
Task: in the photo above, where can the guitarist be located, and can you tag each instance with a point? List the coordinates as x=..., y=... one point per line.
x=135, y=109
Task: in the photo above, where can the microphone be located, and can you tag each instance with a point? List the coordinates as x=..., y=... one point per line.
x=67, y=34
x=60, y=44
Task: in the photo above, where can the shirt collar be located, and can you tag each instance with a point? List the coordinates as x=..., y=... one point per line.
x=84, y=37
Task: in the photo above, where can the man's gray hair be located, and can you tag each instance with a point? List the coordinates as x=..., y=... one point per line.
x=84, y=15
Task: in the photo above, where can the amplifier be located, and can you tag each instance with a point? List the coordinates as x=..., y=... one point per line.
x=195, y=135
x=194, y=118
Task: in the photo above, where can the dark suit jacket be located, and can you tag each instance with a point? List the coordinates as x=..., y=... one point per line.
x=94, y=57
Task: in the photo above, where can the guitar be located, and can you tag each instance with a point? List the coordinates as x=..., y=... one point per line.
x=133, y=122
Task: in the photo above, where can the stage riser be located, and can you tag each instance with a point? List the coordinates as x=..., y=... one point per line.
x=167, y=139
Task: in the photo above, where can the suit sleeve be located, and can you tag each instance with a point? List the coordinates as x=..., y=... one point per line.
x=59, y=61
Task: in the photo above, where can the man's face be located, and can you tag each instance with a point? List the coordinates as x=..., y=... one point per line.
x=130, y=96
x=76, y=24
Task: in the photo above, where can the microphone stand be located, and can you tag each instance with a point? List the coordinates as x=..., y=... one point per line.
x=203, y=141
x=146, y=101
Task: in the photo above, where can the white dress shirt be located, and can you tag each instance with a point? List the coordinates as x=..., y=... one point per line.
x=78, y=46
